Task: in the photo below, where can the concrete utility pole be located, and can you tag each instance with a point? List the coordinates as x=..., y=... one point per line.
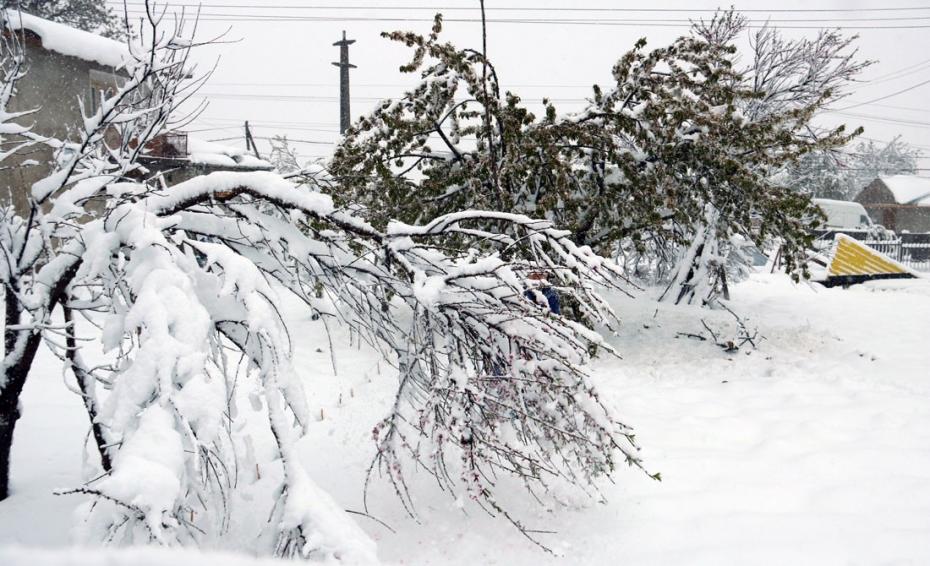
x=345, y=117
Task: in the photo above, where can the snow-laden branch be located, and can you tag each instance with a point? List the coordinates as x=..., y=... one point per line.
x=173, y=282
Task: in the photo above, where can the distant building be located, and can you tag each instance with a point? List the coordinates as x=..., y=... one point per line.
x=64, y=67
x=67, y=67
x=180, y=157
x=900, y=202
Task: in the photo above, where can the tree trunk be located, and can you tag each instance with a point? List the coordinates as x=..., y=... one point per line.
x=21, y=346
x=20, y=350
x=8, y=420
x=698, y=271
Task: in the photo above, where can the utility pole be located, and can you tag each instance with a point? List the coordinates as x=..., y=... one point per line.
x=250, y=141
x=345, y=117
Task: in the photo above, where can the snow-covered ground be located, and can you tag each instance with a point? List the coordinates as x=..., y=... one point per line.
x=812, y=449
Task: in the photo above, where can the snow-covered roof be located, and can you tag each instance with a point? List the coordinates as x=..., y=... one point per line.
x=71, y=41
x=909, y=189
x=204, y=152
x=839, y=204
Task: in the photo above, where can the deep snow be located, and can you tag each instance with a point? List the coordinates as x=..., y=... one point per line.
x=812, y=449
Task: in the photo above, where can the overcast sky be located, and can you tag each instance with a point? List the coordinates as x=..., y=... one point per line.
x=278, y=72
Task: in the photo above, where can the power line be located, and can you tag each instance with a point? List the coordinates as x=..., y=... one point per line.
x=411, y=85
x=887, y=96
x=383, y=85
x=882, y=119
x=894, y=107
x=585, y=20
x=504, y=86
x=238, y=121
x=886, y=142
x=314, y=142
x=263, y=126
x=534, y=9
x=209, y=129
x=220, y=17
x=297, y=98
x=305, y=98
x=900, y=73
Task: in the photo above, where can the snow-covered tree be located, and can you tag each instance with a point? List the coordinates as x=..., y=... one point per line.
x=677, y=152
x=764, y=115
x=444, y=146
x=823, y=174
x=162, y=289
x=39, y=248
x=842, y=174
x=94, y=16
x=787, y=74
x=869, y=160
x=12, y=69
x=283, y=156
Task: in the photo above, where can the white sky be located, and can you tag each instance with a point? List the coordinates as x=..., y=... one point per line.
x=278, y=75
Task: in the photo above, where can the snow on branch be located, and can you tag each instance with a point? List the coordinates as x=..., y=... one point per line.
x=177, y=283
x=476, y=357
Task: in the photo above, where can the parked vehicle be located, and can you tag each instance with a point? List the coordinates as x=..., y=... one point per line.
x=850, y=218
x=844, y=215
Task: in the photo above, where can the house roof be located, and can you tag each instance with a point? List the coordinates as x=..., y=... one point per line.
x=71, y=41
x=202, y=152
x=909, y=189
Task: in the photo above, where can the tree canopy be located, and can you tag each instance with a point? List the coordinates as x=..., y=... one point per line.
x=684, y=136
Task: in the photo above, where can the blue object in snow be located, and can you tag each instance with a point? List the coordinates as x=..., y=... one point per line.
x=551, y=297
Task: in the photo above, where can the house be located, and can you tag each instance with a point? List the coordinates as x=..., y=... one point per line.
x=180, y=157
x=66, y=68
x=899, y=202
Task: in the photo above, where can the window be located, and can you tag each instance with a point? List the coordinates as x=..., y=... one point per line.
x=102, y=85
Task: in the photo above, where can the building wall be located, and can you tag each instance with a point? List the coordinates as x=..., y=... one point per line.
x=913, y=219
x=880, y=203
x=54, y=84
x=875, y=193
x=900, y=218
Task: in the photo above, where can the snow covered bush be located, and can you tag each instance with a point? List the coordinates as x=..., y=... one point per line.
x=170, y=326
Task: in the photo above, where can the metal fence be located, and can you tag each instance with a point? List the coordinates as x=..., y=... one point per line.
x=911, y=250
x=915, y=255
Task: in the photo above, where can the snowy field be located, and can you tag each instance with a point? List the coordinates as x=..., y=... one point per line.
x=812, y=449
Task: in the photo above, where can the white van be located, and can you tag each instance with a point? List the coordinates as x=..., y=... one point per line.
x=844, y=215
